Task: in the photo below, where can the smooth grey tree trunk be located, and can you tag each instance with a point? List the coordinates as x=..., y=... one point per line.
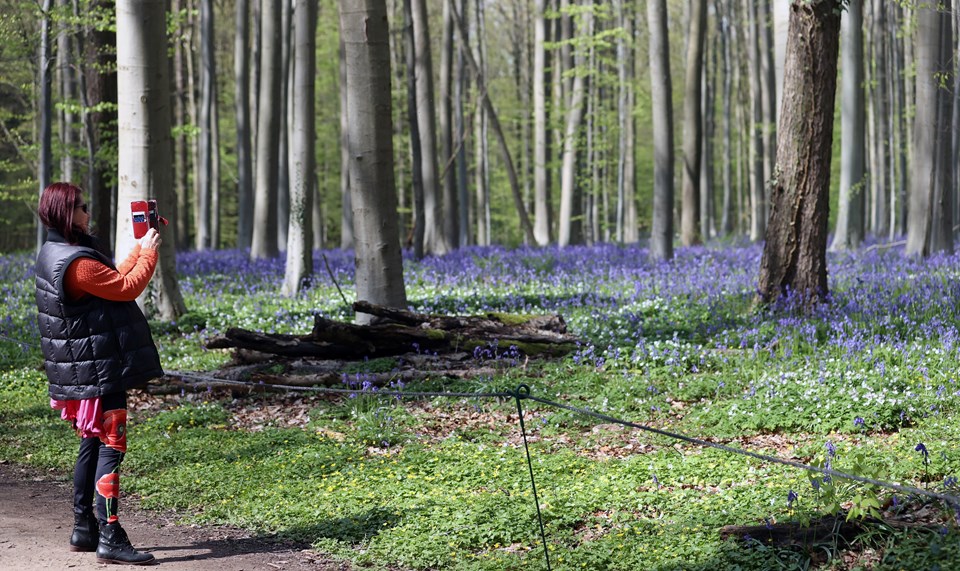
x=66, y=72
x=241, y=73
x=661, y=92
x=283, y=165
x=541, y=138
x=346, y=206
x=768, y=87
x=416, y=163
x=727, y=214
x=379, y=266
x=568, y=169
x=758, y=191
x=100, y=81
x=181, y=146
x=631, y=227
x=207, y=154
x=268, y=134
x=693, y=126
x=44, y=110
x=448, y=180
x=434, y=240
x=302, y=149
x=923, y=166
x=461, y=89
x=144, y=163
x=944, y=190
x=850, y=206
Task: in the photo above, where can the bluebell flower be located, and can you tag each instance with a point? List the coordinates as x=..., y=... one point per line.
x=831, y=449
x=923, y=450
x=791, y=497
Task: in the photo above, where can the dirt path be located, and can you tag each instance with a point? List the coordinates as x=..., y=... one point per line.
x=36, y=522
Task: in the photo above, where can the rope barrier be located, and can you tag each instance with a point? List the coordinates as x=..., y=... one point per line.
x=523, y=392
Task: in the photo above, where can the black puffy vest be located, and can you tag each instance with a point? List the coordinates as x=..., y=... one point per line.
x=92, y=346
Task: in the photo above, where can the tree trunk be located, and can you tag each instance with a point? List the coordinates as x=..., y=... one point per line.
x=849, y=230
x=631, y=229
x=241, y=73
x=450, y=202
x=207, y=153
x=45, y=110
x=181, y=145
x=727, y=214
x=283, y=164
x=416, y=164
x=661, y=94
x=346, y=207
x=302, y=149
x=144, y=165
x=541, y=138
x=944, y=190
x=794, y=256
x=268, y=134
x=758, y=191
x=379, y=267
x=66, y=72
x=434, y=239
x=462, y=88
x=101, y=85
x=923, y=171
x=571, y=143
x=693, y=126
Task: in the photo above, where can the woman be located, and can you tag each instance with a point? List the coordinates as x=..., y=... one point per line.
x=96, y=345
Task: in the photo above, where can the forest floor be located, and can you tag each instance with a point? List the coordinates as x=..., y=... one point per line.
x=36, y=522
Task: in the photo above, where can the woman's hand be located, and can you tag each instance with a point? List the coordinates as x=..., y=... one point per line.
x=151, y=240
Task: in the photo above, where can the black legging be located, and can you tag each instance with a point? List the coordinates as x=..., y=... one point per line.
x=98, y=463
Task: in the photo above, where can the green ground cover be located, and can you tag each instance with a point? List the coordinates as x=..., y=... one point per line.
x=443, y=483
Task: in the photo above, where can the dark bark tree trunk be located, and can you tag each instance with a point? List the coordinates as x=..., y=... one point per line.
x=794, y=256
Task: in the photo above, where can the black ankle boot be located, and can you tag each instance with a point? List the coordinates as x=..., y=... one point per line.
x=86, y=532
x=115, y=547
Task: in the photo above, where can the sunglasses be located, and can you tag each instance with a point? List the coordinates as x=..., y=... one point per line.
x=83, y=207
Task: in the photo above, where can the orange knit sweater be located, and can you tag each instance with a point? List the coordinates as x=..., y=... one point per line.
x=87, y=276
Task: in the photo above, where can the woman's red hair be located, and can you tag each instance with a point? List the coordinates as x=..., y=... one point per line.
x=57, y=205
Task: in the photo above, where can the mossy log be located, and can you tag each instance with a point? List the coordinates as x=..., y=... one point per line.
x=397, y=332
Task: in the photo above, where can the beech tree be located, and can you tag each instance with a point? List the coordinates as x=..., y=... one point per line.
x=241, y=73
x=928, y=224
x=850, y=206
x=794, y=255
x=693, y=125
x=379, y=266
x=264, y=243
x=661, y=91
x=302, y=148
x=143, y=102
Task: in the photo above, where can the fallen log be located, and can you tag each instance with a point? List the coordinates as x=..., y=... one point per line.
x=398, y=331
